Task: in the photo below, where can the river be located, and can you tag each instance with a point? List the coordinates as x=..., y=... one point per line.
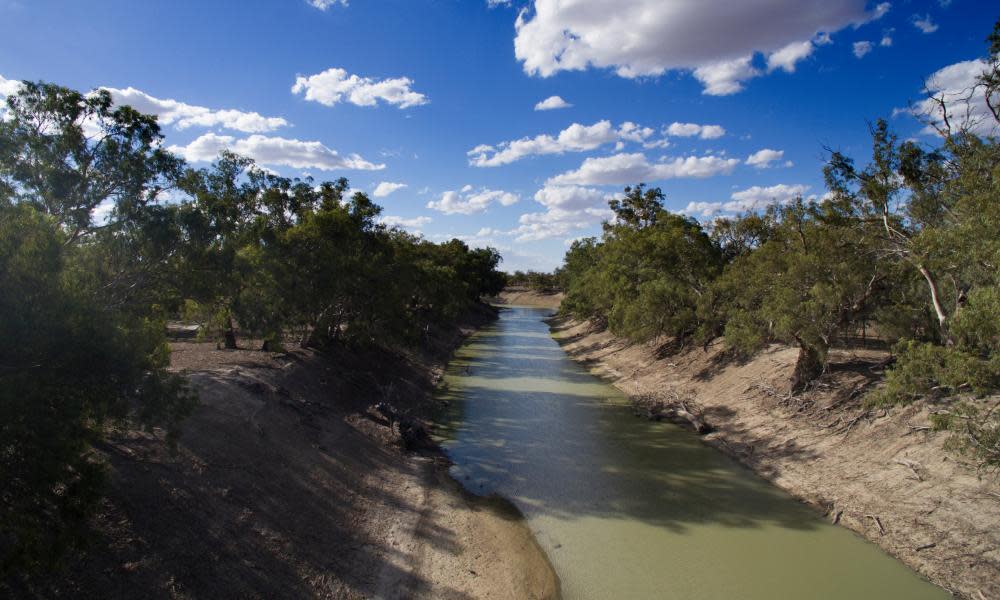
x=627, y=508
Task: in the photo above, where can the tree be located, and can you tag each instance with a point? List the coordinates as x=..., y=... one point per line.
x=83, y=338
x=807, y=284
x=646, y=275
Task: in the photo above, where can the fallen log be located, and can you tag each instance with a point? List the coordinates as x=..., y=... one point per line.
x=675, y=411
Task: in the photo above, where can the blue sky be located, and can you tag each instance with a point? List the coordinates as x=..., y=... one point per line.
x=431, y=93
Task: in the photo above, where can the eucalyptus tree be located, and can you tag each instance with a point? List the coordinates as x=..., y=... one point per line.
x=84, y=248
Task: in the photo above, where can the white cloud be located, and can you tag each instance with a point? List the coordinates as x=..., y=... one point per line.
x=552, y=103
x=727, y=76
x=958, y=86
x=182, y=115
x=639, y=38
x=862, y=48
x=469, y=201
x=414, y=223
x=8, y=87
x=924, y=23
x=273, y=151
x=705, y=132
x=385, y=188
x=575, y=138
x=754, y=198
x=633, y=168
x=886, y=40
x=325, y=4
x=785, y=58
x=337, y=85
x=179, y=114
x=570, y=197
x=880, y=11
x=758, y=197
x=567, y=209
x=763, y=158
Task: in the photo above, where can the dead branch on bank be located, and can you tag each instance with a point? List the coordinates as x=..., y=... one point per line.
x=672, y=408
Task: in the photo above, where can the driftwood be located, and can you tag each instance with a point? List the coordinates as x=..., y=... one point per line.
x=672, y=409
x=881, y=529
x=912, y=465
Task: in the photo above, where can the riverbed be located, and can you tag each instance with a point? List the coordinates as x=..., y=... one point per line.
x=629, y=508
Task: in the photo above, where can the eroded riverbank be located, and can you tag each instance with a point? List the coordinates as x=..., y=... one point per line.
x=285, y=485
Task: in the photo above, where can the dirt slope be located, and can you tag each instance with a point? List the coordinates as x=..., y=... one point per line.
x=860, y=468
x=284, y=487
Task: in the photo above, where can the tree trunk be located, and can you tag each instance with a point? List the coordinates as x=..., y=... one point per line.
x=230, y=334
x=935, y=296
x=810, y=364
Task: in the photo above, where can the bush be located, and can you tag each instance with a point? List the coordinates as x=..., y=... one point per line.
x=69, y=365
x=925, y=370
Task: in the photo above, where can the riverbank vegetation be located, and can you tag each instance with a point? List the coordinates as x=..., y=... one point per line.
x=904, y=248
x=104, y=236
x=536, y=281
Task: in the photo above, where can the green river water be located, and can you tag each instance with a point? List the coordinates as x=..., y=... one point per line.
x=627, y=508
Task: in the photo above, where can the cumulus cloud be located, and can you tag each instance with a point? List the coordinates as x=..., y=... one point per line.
x=8, y=87
x=880, y=11
x=385, y=188
x=705, y=132
x=726, y=77
x=958, y=86
x=630, y=168
x=750, y=199
x=325, y=4
x=639, y=38
x=179, y=114
x=575, y=138
x=567, y=209
x=182, y=115
x=396, y=221
x=552, y=103
x=469, y=201
x=785, y=58
x=273, y=151
x=924, y=23
x=336, y=85
x=862, y=48
x=763, y=158
x=757, y=197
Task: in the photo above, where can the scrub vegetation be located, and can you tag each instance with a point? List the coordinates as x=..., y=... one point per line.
x=104, y=236
x=904, y=249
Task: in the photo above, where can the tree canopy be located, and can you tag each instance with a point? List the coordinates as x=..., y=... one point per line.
x=104, y=236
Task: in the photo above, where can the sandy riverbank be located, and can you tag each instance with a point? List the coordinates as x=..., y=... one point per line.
x=283, y=485
x=526, y=297
x=882, y=474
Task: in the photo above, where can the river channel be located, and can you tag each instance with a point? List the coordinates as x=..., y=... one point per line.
x=633, y=509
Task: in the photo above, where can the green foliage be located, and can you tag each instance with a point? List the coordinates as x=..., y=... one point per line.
x=534, y=280
x=83, y=301
x=646, y=275
x=807, y=284
x=84, y=344
x=71, y=363
x=977, y=431
x=929, y=370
